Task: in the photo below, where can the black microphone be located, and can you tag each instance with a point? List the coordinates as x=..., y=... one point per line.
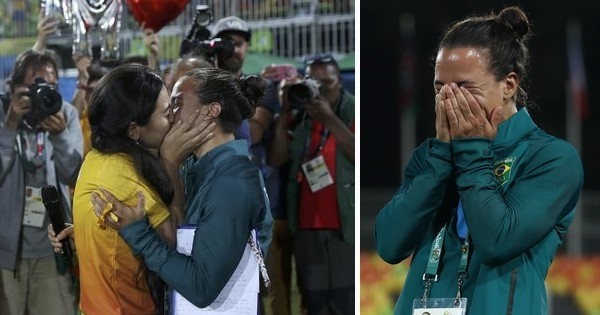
x=51, y=200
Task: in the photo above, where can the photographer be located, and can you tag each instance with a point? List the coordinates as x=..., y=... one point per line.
x=320, y=214
x=40, y=144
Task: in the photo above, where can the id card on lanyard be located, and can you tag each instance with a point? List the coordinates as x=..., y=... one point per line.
x=442, y=306
x=316, y=171
x=32, y=151
x=34, y=212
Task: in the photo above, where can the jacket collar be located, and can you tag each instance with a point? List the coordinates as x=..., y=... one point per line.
x=215, y=156
x=517, y=126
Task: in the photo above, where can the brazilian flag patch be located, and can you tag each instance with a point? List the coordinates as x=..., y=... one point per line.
x=502, y=170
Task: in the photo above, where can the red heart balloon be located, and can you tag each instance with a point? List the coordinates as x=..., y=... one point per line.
x=156, y=13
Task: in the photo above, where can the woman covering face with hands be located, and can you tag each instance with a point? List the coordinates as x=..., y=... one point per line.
x=470, y=101
x=484, y=205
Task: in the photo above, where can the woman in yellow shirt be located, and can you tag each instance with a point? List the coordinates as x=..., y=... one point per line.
x=134, y=149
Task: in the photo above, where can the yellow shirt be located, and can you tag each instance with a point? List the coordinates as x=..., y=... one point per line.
x=110, y=279
x=86, y=130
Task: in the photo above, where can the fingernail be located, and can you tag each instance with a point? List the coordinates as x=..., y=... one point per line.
x=453, y=85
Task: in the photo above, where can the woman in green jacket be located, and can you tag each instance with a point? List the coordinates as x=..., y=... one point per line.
x=483, y=206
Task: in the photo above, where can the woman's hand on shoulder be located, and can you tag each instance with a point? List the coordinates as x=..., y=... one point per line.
x=115, y=214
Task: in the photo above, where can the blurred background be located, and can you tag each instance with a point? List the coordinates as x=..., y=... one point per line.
x=399, y=40
x=283, y=31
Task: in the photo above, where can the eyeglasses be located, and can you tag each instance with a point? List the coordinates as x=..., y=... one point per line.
x=318, y=58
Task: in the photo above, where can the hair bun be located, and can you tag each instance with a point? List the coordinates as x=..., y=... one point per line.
x=253, y=88
x=514, y=18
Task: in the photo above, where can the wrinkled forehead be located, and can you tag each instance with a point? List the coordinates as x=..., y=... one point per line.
x=458, y=64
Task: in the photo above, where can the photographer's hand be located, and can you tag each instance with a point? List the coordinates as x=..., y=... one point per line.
x=82, y=63
x=279, y=72
x=20, y=105
x=54, y=124
x=83, y=77
x=152, y=43
x=320, y=110
x=46, y=25
x=283, y=89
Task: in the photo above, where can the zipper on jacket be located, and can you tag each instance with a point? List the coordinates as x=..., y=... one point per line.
x=511, y=293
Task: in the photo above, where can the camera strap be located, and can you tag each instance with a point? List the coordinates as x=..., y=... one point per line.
x=32, y=156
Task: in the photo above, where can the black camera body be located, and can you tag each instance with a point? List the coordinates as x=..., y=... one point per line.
x=217, y=46
x=198, y=42
x=304, y=92
x=45, y=101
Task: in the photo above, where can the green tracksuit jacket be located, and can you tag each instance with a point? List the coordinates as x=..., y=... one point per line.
x=518, y=193
x=225, y=199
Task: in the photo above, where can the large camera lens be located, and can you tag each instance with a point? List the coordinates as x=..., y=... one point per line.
x=223, y=47
x=303, y=93
x=50, y=100
x=299, y=96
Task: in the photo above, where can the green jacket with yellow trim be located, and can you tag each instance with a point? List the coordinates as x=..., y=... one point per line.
x=518, y=193
x=344, y=179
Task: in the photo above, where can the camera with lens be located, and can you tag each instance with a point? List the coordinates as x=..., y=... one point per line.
x=45, y=101
x=198, y=42
x=217, y=46
x=304, y=92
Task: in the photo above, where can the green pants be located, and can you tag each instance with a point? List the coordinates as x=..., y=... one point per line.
x=39, y=288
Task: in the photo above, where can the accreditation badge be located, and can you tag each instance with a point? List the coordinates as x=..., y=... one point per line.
x=35, y=212
x=447, y=306
x=317, y=174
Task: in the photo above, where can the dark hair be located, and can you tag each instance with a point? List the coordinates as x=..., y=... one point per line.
x=135, y=59
x=238, y=97
x=127, y=94
x=31, y=58
x=96, y=72
x=502, y=37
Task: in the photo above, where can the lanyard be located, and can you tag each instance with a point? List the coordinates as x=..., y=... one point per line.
x=433, y=263
x=319, y=148
x=32, y=154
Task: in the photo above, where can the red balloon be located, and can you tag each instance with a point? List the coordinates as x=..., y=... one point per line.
x=156, y=13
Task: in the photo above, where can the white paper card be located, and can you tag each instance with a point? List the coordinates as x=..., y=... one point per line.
x=35, y=212
x=240, y=294
x=440, y=306
x=317, y=174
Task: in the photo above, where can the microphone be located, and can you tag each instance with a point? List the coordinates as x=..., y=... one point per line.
x=53, y=205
